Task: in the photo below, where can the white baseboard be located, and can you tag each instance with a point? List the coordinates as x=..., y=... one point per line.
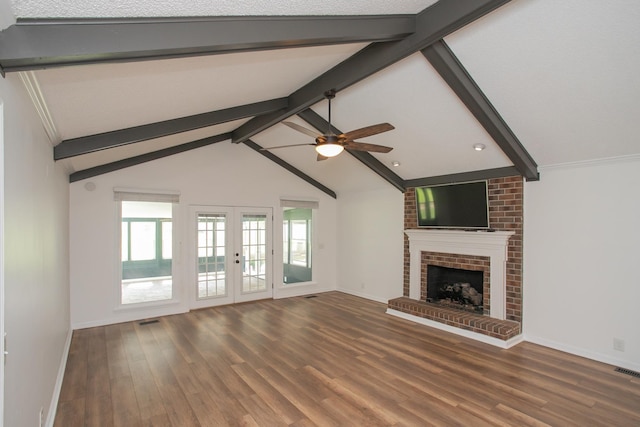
x=132, y=316
x=462, y=332
x=588, y=354
x=293, y=290
x=53, y=407
x=364, y=295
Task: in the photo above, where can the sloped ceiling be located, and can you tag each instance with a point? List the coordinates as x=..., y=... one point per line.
x=562, y=75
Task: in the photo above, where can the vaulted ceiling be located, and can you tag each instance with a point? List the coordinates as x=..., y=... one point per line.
x=538, y=82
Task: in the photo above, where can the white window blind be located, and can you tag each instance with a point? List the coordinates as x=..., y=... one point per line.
x=139, y=195
x=298, y=204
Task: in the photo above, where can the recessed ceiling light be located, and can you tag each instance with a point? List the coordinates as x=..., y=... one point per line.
x=479, y=147
x=395, y=163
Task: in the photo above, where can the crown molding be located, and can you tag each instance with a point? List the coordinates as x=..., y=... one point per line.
x=30, y=82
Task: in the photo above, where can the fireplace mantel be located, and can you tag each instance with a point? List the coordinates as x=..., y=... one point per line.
x=492, y=244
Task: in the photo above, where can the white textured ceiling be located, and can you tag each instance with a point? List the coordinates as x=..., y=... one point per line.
x=564, y=75
x=158, y=8
x=129, y=94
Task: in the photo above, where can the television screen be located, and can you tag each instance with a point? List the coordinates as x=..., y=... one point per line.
x=463, y=205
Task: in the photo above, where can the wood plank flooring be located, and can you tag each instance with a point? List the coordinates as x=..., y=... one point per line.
x=332, y=360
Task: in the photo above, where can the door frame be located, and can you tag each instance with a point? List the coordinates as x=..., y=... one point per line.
x=2, y=270
x=233, y=239
x=240, y=296
x=2, y=331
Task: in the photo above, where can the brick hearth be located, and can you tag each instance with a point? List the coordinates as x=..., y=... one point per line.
x=500, y=329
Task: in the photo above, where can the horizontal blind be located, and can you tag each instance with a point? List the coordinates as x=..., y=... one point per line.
x=139, y=195
x=298, y=204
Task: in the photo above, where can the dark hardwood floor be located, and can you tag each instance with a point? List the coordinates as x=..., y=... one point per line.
x=332, y=360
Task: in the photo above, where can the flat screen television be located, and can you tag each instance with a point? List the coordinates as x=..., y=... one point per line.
x=461, y=205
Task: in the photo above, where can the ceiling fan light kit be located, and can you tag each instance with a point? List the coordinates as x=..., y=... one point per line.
x=330, y=145
x=329, y=150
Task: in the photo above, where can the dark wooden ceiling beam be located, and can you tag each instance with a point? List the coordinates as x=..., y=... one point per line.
x=453, y=72
x=89, y=144
x=147, y=157
x=315, y=120
x=297, y=172
x=432, y=24
x=37, y=44
x=463, y=177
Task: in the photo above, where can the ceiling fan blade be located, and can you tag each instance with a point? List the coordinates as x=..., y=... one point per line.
x=301, y=129
x=321, y=158
x=368, y=131
x=361, y=146
x=286, y=146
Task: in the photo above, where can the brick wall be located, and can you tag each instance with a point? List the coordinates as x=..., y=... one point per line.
x=506, y=214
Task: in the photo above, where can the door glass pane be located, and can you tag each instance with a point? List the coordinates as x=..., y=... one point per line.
x=146, y=242
x=211, y=256
x=254, y=232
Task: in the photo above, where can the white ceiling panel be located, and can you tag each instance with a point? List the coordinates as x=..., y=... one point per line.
x=434, y=132
x=563, y=74
x=98, y=158
x=92, y=99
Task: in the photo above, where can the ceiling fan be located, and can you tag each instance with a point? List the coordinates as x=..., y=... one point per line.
x=329, y=144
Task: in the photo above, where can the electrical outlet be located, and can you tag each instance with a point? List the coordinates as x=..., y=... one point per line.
x=618, y=344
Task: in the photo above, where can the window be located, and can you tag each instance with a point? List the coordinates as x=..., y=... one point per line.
x=146, y=254
x=297, y=233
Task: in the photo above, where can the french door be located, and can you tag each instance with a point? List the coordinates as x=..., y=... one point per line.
x=231, y=254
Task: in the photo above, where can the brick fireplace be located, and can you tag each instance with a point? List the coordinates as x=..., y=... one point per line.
x=497, y=253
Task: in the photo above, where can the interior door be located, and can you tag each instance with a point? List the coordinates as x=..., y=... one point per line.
x=231, y=255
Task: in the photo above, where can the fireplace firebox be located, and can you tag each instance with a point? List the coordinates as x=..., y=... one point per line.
x=455, y=287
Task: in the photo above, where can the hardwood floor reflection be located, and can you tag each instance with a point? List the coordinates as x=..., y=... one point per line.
x=332, y=360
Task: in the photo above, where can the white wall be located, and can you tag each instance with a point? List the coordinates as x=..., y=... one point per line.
x=222, y=174
x=582, y=260
x=370, y=243
x=36, y=265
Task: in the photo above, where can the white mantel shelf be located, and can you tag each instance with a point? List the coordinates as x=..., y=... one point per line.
x=492, y=244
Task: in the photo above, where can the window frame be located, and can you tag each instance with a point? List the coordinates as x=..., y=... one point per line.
x=133, y=195
x=311, y=262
